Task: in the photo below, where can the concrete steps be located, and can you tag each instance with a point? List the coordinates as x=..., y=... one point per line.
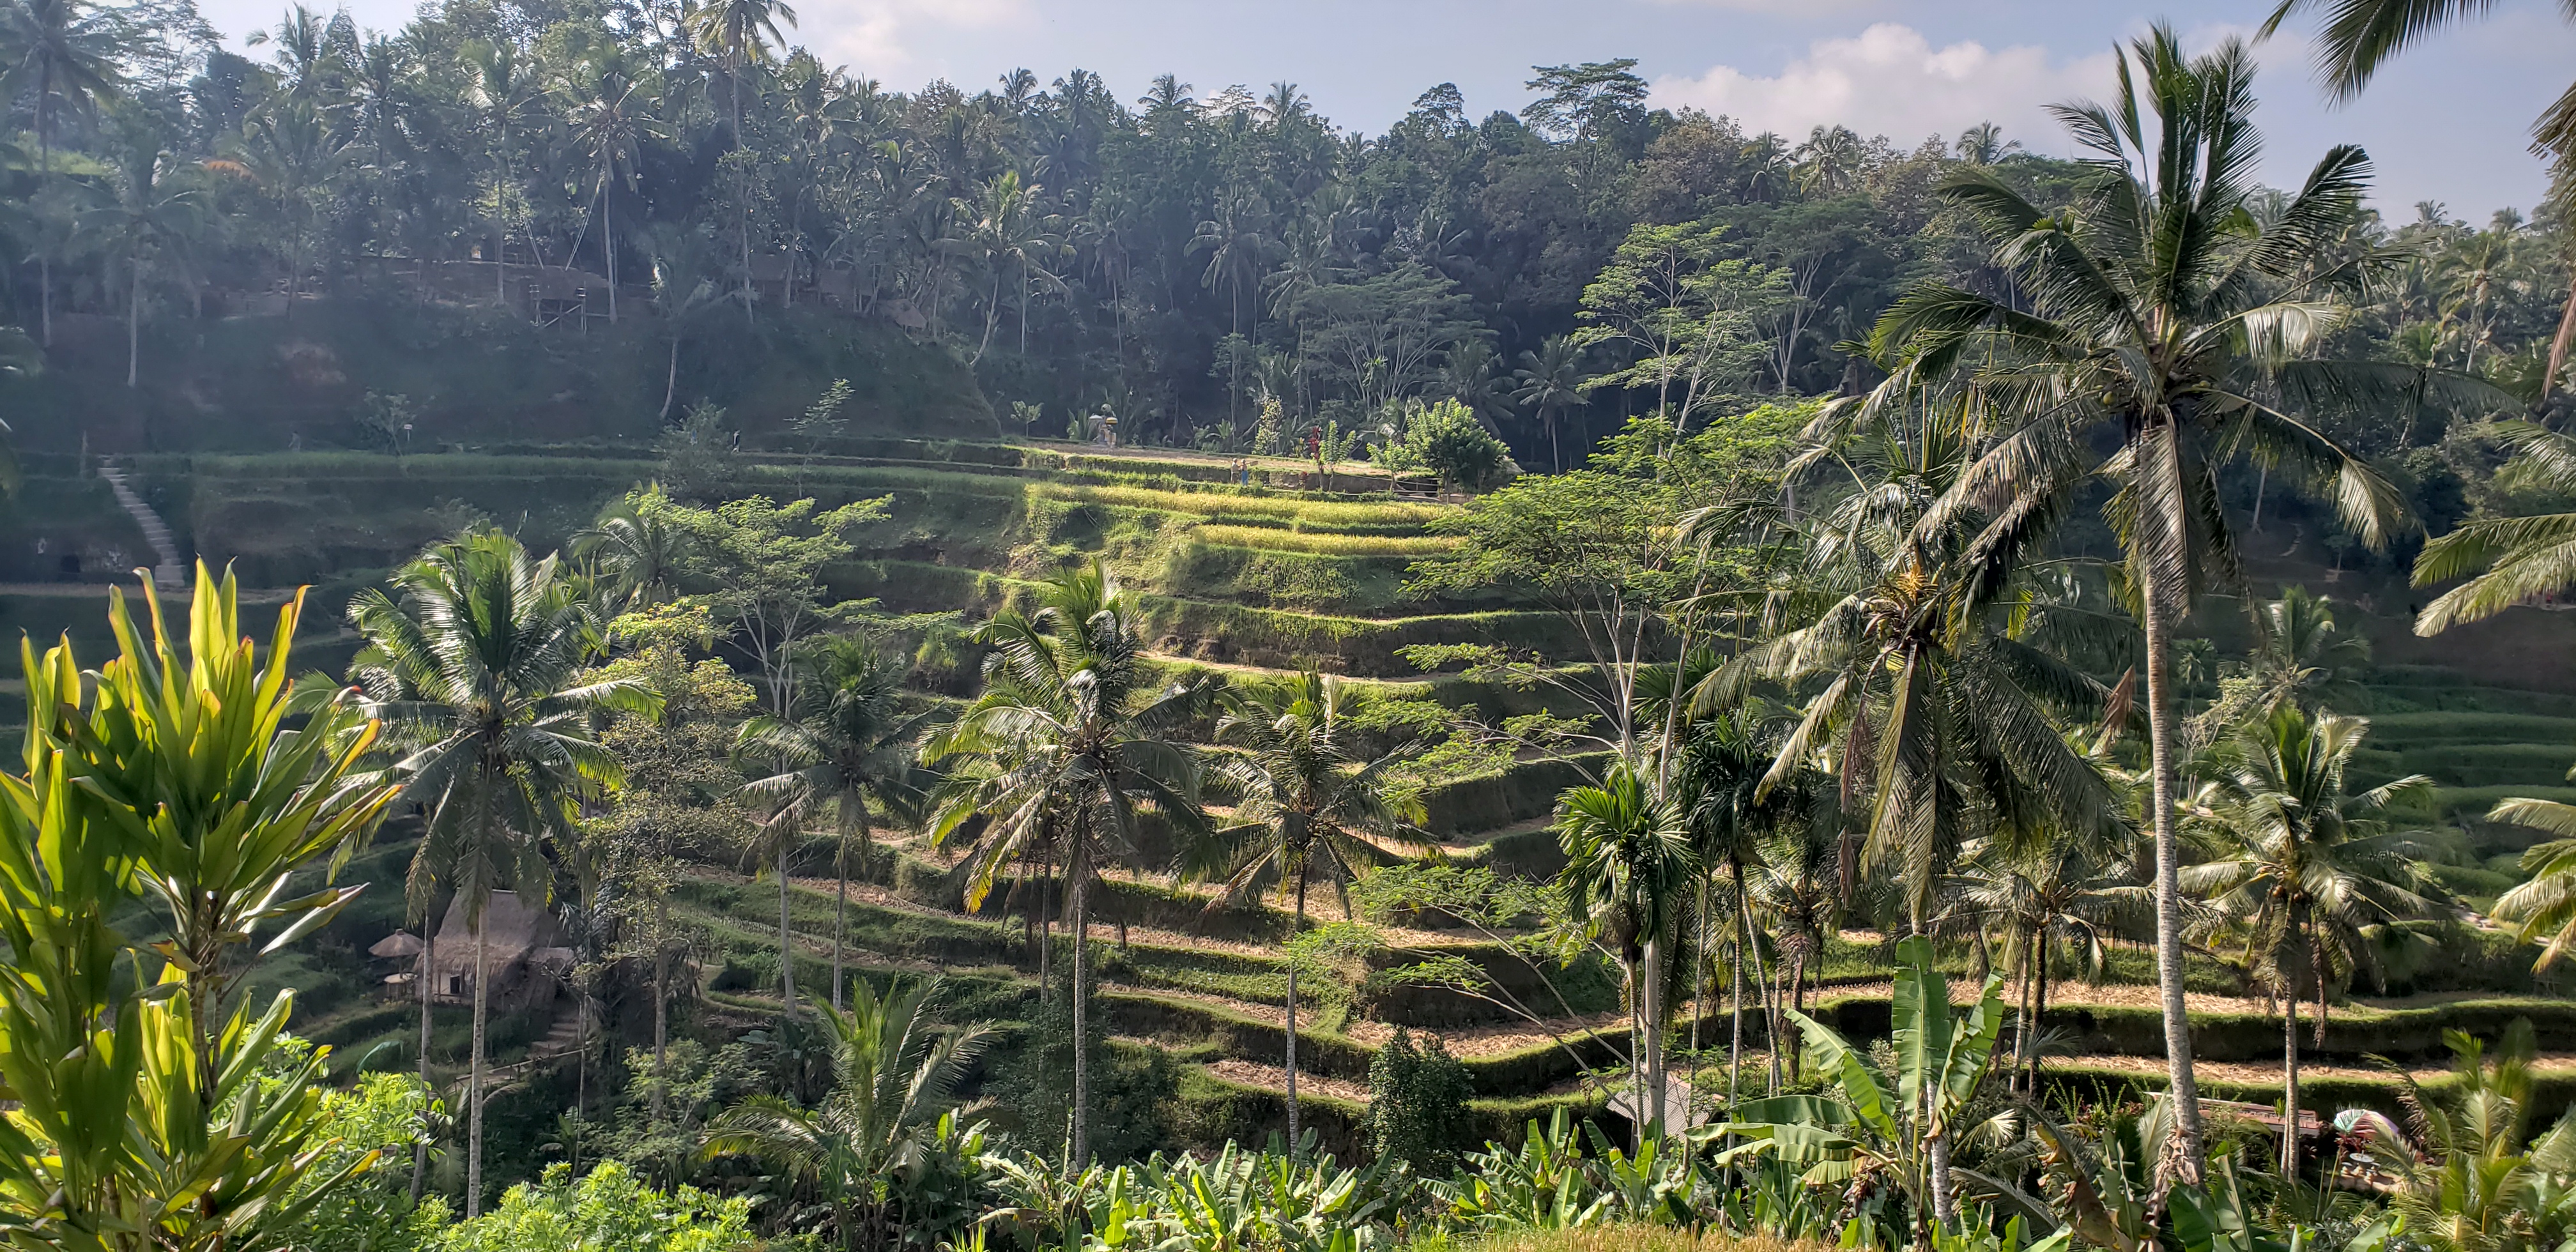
x=169, y=568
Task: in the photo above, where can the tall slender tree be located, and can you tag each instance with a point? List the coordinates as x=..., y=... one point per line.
x=62, y=59
x=2298, y=868
x=846, y=741
x=1309, y=803
x=2163, y=308
x=476, y=666
x=742, y=33
x=1070, y=742
x=1629, y=869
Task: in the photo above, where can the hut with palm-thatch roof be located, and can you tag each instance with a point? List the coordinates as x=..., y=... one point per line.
x=523, y=954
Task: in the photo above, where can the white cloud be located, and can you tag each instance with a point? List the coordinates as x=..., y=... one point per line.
x=1890, y=80
x=885, y=39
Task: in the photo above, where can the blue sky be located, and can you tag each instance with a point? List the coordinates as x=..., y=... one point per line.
x=2447, y=123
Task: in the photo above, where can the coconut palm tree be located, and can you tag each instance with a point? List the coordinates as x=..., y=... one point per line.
x=1310, y=803
x=684, y=286
x=2033, y=899
x=895, y=1076
x=742, y=33
x=1628, y=873
x=1718, y=784
x=476, y=665
x=1794, y=880
x=846, y=741
x=2163, y=309
x=1551, y=381
x=1068, y=745
x=62, y=61
x=1009, y=231
x=1912, y=641
x=149, y=228
x=501, y=85
x=2297, y=867
x=634, y=552
x=2361, y=37
x=2544, y=906
x=610, y=112
x=2507, y=560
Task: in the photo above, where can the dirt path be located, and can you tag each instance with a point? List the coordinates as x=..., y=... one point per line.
x=1275, y=1078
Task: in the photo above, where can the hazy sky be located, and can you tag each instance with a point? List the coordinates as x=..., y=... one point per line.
x=2448, y=123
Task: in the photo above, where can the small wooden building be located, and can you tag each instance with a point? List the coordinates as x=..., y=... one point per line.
x=523, y=949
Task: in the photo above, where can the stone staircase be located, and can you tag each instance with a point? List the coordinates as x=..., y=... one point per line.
x=169, y=568
x=563, y=1038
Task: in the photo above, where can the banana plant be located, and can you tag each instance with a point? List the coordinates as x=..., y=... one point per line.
x=1543, y=1186
x=1900, y=1126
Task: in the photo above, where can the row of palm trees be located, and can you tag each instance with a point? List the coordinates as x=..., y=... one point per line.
x=1917, y=626
x=480, y=660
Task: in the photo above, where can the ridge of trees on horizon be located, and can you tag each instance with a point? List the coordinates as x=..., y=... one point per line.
x=1230, y=270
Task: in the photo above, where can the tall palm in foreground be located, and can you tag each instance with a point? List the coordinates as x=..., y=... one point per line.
x=2162, y=310
x=1070, y=742
x=2361, y=37
x=2298, y=868
x=1629, y=871
x=477, y=666
x=1310, y=803
x=845, y=742
x=895, y=1078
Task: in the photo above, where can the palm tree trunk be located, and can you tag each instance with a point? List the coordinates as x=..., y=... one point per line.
x=428, y=967
x=2290, y=1084
x=474, y=1079
x=2038, y=1014
x=1771, y=1018
x=500, y=227
x=671, y=376
x=2558, y=345
x=133, y=320
x=2184, y=1165
x=661, y=1025
x=1797, y=999
x=1079, y=886
x=742, y=185
x=1651, y=1005
x=1735, y=1008
x=1699, y=979
x=786, y=937
x=608, y=245
x=2022, y=1029
x=1292, y=1018
x=840, y=911
x=1936, y=1151
x=1735, y=986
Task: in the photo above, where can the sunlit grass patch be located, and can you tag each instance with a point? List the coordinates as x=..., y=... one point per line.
x=1321, y=544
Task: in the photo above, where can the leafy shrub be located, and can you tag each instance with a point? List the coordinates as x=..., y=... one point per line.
x=1417, y=1100
x=609, y=1207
